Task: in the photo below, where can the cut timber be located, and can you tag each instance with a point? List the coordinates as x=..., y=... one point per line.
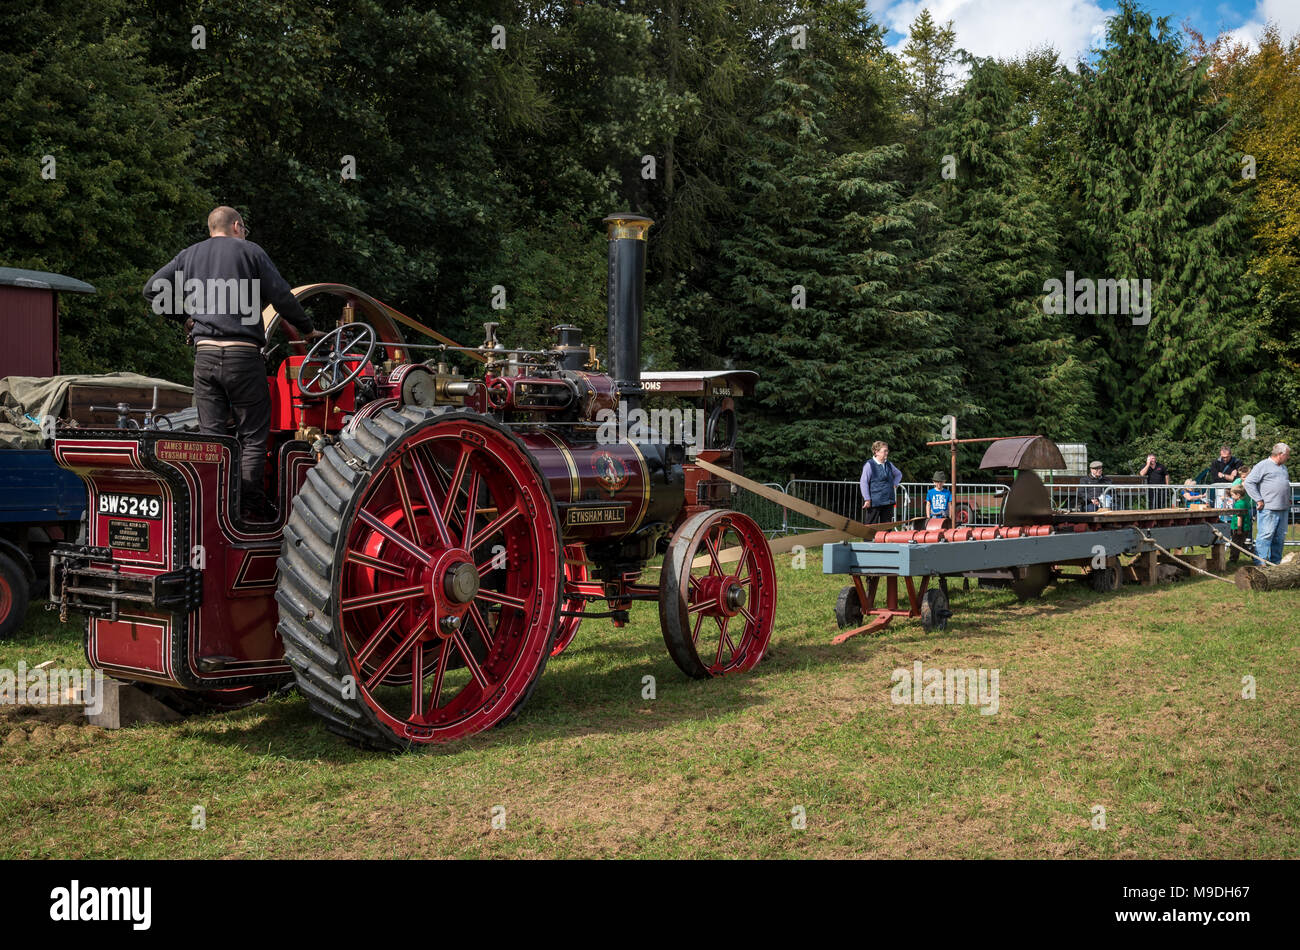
x=1272, y=577
x=828, y=518
x=1219, y=558
x=125, y=705
x=1148, y=568
x=810, y=539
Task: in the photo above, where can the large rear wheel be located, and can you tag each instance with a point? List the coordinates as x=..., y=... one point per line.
x=420, y=578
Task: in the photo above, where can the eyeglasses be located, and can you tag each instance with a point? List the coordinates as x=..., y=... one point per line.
x=243, y=227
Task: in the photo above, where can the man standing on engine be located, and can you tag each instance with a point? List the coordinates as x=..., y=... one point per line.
x=219, y=284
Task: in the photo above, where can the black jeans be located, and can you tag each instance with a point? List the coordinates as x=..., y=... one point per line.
x=230, y=381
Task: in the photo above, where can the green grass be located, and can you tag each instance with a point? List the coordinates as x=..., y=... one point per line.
x=1131, y=701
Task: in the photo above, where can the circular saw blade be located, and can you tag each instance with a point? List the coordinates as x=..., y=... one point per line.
x=1031, y=580
x=1028, y=501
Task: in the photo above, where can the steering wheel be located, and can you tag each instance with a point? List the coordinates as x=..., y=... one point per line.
x=332, y=353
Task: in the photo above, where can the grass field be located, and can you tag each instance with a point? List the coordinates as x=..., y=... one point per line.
x=1130, y=701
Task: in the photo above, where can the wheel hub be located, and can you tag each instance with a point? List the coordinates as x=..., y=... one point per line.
x=451, y=583
x=735, y=597
x=461, y=582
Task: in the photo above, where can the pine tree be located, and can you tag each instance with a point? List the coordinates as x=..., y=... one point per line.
x=1156, y=202
x=829, y=300
x=930, y=59
x=1021, y=372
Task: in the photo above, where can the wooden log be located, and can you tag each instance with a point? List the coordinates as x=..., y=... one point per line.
x=785, y=545
x=1271, y=577
x=1148, y=567
x=1219, y=558
x=828, y=518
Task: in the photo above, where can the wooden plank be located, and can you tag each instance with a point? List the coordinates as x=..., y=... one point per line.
x=783, y=545
x=1139, y=514
x=829, y=518
x=1148, y=567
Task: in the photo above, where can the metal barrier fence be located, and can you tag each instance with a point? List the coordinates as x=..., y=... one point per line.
x=974, y=503
x=769, y=515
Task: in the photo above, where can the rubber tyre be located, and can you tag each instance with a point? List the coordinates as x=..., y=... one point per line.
x=1108, y=579
x=934, y=611
x=848, y=608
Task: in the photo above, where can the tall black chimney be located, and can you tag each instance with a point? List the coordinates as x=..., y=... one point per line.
x=627, y=238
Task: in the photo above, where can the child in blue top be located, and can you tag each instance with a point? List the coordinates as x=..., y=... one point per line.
x=938, y=501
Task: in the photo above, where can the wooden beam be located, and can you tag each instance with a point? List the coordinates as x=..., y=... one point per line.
x=828, y=518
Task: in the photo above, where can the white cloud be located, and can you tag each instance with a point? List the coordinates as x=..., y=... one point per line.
x=1284, y=13
x=1008, y=28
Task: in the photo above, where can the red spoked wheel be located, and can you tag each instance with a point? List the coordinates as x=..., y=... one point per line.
x=445, y=579
x=717, y=597
x=13, y=595
x=575, y=572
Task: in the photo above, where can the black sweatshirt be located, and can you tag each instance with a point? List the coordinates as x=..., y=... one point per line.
x=236, y=280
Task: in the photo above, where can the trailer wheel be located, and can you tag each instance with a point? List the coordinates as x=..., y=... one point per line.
x=400, y=622
x=848, y=608
x=703, y=591
x=573, y=606
x=963, y=514
x=935, y=611
x=14, y=595
x=1109, y=578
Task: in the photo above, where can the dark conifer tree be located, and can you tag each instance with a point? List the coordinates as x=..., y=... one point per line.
x=827, y=296
x=1156, y=202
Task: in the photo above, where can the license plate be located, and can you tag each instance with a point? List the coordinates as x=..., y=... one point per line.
x=130, y=506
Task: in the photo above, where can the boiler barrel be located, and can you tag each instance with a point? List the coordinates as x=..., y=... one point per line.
x=605, y=492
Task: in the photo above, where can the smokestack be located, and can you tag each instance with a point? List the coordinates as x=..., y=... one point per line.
x=627, y=238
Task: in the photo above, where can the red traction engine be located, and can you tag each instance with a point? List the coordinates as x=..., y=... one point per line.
x=445, y=534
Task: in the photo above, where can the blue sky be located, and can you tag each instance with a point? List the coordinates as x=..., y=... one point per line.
x=1007, y=28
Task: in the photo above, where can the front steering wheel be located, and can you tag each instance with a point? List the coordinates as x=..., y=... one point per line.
x=332, y=353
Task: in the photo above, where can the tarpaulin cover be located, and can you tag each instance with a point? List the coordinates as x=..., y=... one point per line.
x=24, y=400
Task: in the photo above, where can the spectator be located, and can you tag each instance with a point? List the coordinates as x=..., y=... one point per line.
x=1190, y=496
x=1222, y=471
x=1241, y=475
x=1091, y=496
x=1269, y=486
x=938, y=502
x=880, y=477
x=1242, y=524
x=1155, y=474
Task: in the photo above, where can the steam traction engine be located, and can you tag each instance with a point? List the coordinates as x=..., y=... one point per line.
x=445, y=533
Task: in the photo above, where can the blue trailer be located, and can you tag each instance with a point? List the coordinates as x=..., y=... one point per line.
x=41, y=504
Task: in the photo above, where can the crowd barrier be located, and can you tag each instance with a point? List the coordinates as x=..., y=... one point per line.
x=974, y=503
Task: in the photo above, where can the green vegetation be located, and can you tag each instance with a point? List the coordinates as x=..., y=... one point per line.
x=1131, y=701
x=775, y=145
